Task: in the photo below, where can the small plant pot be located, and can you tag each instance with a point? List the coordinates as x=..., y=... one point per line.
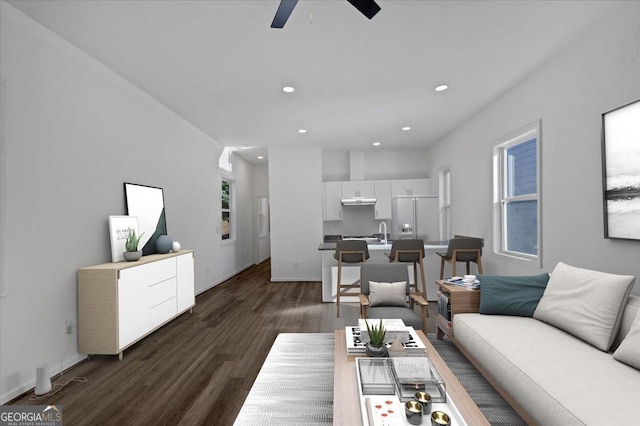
x=131, y=256
x=376, y=351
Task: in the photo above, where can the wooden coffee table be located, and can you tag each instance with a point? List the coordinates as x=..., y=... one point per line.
x=346, y=400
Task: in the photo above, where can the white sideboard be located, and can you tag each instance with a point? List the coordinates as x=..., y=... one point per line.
x=120, y=303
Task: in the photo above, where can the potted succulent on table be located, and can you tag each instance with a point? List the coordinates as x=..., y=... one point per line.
x=131, y=246
x=376, y=346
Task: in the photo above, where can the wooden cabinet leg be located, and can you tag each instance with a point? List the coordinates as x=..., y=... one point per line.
x=439, y=334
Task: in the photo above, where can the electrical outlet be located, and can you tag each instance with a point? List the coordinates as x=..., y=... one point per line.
x=70, y=326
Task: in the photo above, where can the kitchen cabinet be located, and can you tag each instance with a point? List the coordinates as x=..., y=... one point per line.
x=400, y=187
x=358, y=188
x=332, y=208
x=382, y=192
x=120, y=303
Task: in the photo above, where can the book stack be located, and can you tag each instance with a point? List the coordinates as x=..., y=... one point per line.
x=444, y=309
x=462, y=282
x=417, y=374
x=356, y=346
x=394, y=329
x=375, y=376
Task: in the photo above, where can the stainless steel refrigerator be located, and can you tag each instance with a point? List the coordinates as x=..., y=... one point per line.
x=415, y=217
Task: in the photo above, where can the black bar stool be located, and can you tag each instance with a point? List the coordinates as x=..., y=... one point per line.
x=411, y=251
x=349, y=251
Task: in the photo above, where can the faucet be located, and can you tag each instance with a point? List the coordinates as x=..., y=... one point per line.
x=380, y=227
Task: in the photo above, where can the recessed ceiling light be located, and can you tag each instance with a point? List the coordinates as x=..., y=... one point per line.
x=288, y=89
x=302, y=131
x=405, y=128
x=376, y=144
x=260, y=157
x=441, y=87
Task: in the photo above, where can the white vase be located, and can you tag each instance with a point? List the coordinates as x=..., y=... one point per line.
x=176, y=247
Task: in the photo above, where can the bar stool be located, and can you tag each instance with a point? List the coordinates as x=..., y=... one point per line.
x=411, y=251
x=349, y=251
x=462, y=249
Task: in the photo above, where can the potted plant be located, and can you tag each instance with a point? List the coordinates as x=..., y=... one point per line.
x=376, y=346
x=131, y=245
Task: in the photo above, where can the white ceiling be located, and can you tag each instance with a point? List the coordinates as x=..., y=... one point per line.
x=219, y=65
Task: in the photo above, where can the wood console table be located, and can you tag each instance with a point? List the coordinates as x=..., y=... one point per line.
x=462, y=300
x=346, y=402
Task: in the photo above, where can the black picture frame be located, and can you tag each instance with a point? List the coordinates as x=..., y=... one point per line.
x=621, y=172
x=147, y=203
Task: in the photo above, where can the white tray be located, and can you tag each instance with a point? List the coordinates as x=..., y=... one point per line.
x=398, y=407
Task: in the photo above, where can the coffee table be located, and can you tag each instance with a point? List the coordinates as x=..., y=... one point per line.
x=346, y=399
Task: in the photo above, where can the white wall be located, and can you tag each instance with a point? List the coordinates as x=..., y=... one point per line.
x=75, y=131
x=598, y=73
x=260, y=185
x=239, y=253
x=295, y=191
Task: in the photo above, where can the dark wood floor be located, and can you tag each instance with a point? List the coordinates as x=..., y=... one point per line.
x=198, y=369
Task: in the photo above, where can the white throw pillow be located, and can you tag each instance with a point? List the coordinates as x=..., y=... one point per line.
x=585, y=303
x=629, y=350
x=387, y=294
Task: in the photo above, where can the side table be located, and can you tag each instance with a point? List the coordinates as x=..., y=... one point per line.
x=462, y=300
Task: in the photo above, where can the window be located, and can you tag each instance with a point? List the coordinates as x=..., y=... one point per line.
x=445, y=202
x=227, y=225
x=3, y=180
x=517, y=194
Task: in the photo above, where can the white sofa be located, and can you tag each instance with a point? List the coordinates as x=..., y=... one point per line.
x=550, y=376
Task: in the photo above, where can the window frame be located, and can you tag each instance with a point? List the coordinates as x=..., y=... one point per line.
x=501, y=197
x=444, y=178
x=231, y=211
x=4, y=290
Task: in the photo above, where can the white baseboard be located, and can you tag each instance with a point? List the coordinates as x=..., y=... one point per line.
x=289, y=279
x=223, y=279
x=31, y=383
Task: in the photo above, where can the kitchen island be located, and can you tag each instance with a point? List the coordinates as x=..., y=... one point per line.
x=377, y=254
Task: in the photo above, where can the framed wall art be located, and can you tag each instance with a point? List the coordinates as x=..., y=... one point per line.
x=118, y=231
x=147, y=204
x=621, y=171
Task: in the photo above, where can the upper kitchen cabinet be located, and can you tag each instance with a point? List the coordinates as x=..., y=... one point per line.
x=332, y=201
x=414, y=187
x=357, y=189
x=382, y=190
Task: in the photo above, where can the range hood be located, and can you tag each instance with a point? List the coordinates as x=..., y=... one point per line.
x=358, y=201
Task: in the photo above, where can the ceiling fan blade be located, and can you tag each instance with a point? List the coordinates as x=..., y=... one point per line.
x=283, y=13
x=368, y=8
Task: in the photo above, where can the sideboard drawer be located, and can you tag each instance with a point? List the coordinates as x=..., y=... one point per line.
x=162, y=312
x=151, y=273
x=158, y=293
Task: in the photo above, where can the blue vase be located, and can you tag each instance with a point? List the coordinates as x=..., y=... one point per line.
x=164, y=244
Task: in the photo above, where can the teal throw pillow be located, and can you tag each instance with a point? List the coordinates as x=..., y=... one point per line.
x=517, y=296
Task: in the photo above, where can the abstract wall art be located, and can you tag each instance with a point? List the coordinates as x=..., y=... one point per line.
x=147, y=203
x=621, y=171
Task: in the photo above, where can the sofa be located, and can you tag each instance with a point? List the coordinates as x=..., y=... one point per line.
x=565, y=350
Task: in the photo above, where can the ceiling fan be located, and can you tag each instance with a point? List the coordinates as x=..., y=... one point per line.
x=368, y=8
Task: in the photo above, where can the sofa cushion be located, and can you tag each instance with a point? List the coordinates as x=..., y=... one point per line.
x=588, y=304
x=629, y=350
x=503, y=295
x=557, y=378
x=630, y=311
x=387, y=294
